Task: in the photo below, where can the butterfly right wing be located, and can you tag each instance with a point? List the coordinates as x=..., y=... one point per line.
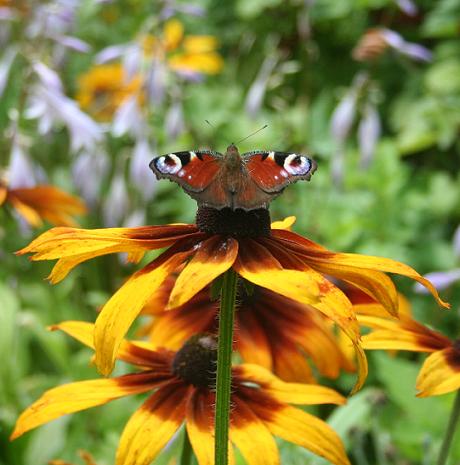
x=194, y=171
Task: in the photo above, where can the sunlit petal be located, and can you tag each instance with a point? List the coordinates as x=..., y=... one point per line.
x=213, y=257
x=125, y=305
x=152, y=426
x=251, y=436
x=299, y=427
x=200, y=426
x=294, y=393
x=440, y=373
x=284, y=224
x=74, y=397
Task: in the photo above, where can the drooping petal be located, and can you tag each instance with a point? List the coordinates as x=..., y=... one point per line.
x=74, y=397
x=48, y=203
x=290, y=364
x=174, y=327
x=125, y=305
x=136, y=353
x=73, y=246
x=213, y=257
x=299, y=427
x=200, y=426
x=256, y=264
x=405, y=334
x=382, y=264
x=152, y=426
x=294, y=393
x=251, y=436
x=440, y=373
x=251, y=339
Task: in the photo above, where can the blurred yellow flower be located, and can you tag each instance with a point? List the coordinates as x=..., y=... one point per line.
x=104, y=88
x=194, y=53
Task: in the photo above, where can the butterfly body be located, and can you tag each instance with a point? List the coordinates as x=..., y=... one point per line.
x=249, y=181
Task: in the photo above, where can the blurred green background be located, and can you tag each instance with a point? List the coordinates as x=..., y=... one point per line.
x=379, y=112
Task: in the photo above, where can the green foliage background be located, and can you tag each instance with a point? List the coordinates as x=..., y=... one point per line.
x=405, y=205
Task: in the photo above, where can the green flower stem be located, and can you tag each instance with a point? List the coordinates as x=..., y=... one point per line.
x=186, y=455
x=224, y=366
x=453, y=421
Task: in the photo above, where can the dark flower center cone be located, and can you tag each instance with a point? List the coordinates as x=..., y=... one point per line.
x=236, y=223
x=195, y=363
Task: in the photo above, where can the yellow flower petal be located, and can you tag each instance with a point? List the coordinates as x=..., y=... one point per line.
x=152, y=426
x=213, y=257
x=200, y=44
x=28, y=213
x=440, y=373
x=251, y=436
x=207, y=63
x=290, y=364
x=200, y=424
x=73, y=246
x=3, y=194
x=123, y=307
x=293, y=393
x=74, y=397
x=284, y=224
x=173, y=32
x=388, y=266
x=299, y=427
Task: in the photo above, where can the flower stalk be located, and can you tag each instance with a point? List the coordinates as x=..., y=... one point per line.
x=451, y=427
x=224, y=367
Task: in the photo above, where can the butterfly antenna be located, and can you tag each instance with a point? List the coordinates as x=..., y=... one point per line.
x=250, y=135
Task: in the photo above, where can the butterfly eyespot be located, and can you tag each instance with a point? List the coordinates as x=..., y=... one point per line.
x=169, y=164
x=297, y=165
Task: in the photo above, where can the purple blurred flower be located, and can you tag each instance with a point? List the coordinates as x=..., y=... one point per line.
x=256, y=93
x=174, y=121
x=134, y=219
x=5, y=66
x=7, y=14
x=155, y=82
x=51, y=107
x=116, y=203
x=88, y=172
x=368, y=133
x=129, y=119
x=140, y=174
x=440, y=279
x=21, y=170
x=343, y=116
x=113, y=52
x=410, y=49
x=132, y=61
x=74, y=43
x=456, y=241
x=408, y=7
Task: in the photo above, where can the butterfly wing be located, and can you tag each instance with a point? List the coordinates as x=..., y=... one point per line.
x=273, y=171
x=194, y=170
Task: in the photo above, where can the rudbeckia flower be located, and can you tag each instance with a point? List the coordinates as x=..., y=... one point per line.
x=104, y=88
x=270, y=330
x=276, y=259
x=440, y=372
x=184, y=53
x=179, y=386
x=43, y=202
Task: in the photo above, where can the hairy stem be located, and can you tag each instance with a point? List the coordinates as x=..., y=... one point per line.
x=224, y=366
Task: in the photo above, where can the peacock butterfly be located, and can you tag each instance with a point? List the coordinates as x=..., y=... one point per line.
x=248, y=181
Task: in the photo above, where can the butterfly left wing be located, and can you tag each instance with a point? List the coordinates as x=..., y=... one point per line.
x=193, y=170
x=273, y=171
